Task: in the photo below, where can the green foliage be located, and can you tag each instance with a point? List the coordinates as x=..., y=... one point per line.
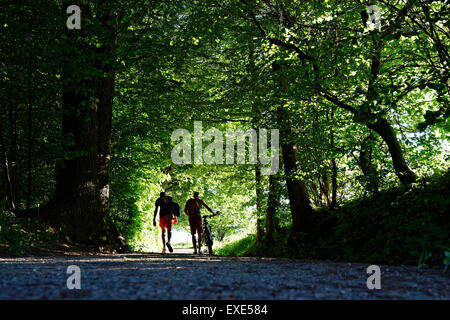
x=19, y=237
x=399, y=226
x=181, y=61
x=184, y=245
x=236, y=248
x=446, y=259
x=402, y=225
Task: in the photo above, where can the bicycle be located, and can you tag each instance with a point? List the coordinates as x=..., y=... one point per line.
x=207, y=236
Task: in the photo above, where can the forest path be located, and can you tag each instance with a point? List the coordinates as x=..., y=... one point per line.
x=185, y=276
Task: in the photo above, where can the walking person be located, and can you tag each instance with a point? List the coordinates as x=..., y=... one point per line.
x=193, y=210
x=168, y=212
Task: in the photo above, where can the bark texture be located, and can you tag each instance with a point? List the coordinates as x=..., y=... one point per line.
x=80, y=201
x=300, y=204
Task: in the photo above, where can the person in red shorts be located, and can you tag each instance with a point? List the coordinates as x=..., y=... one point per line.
x=193, y=210
x=166, y=218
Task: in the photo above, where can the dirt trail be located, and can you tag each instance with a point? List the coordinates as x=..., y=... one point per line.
x=185, y=276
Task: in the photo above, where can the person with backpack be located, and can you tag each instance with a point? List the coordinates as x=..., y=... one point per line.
x=193, y=210
x=168, y=213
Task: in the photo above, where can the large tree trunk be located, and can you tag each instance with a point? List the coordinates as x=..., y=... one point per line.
x=80, y=201
x=300, y=204
x=299, y=201
x=386, y=131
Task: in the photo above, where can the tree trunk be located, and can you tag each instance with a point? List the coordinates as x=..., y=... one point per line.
x=12, y=158
x=382, y=126
x=333, y=183
x=301, y=209
x=259, y=195
x=299, y=201
x=7, y=175
x=366, y=164
x=80, y=201
x=258, y=178
x=7, y=157
x=258, y=189
x=386, y=131
x=273, y=202
x=30, y=129
x=333, y=163
x=324, y=185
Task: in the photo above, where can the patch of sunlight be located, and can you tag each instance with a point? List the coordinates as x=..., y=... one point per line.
x=180, y=236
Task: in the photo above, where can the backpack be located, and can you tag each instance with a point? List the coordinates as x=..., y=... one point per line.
x=191, y=206
x=175, y=209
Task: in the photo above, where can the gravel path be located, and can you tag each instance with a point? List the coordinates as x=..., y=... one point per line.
x=184, y=276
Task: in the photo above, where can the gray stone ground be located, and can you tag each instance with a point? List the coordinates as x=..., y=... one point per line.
x=184, y=276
